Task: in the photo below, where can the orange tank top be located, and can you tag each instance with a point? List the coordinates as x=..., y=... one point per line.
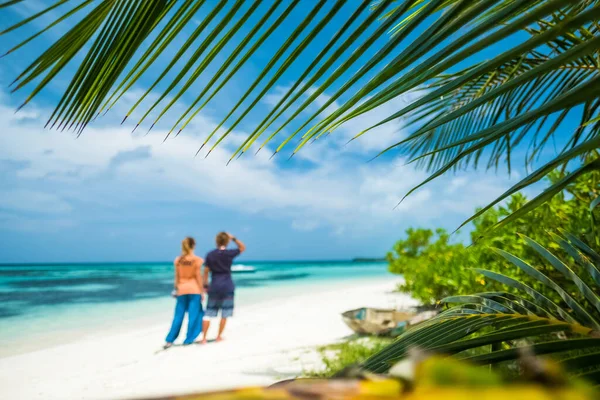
x=189, y=280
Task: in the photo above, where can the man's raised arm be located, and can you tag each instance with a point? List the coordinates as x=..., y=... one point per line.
x=241, y=246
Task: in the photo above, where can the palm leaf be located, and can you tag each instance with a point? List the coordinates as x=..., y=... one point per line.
x=276, y=57
x=538, y=348
x=437, y=63
x=593, y=206
x=530, y=306
x=543, y=301
x=474, y=299
x=579, y=310
x=199, y=49
x=434, y=337
x=545, y=69
x=234, y=54
x=380, y=56
x=584, y=248
x=585, y=290
x=9, y=3
x=240, y=62
x=352, y=38
x=270, y=118
x=206, y=60
x=579, y=258
x=537, y=175
x=33, y=17
x=345, y=66
x=174, y=26
x=291, y=58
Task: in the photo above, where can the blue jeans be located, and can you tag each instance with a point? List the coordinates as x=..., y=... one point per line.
x=192, y=304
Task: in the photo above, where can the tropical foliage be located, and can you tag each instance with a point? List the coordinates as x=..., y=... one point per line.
x=432, y=267
x=435, y=267
x=473, y=109
x=491, y=327
x=338, y=356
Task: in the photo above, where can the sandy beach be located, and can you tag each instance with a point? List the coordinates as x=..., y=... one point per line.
x=265, y=342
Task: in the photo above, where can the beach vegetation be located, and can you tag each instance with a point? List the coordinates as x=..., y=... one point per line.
x=338, y=356
x=530, y=286
x=434, y=266
x=492, y=327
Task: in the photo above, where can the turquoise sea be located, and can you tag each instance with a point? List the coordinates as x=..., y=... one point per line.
x=48, y=304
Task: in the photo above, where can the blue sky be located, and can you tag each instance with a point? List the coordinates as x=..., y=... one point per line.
x=114, y=195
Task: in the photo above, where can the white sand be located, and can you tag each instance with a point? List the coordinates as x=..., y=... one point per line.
x=264, y=343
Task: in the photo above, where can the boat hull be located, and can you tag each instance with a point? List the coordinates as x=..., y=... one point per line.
x=374, y=321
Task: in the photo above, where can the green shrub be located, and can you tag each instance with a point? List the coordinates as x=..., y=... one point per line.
x=433, y=267
x=338, y=356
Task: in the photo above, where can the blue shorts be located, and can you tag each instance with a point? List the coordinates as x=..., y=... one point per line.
x=219, y=301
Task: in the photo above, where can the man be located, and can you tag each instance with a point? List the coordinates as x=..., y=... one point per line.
x=221, y=288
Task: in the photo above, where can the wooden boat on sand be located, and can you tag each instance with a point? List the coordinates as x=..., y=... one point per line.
x=376, y=321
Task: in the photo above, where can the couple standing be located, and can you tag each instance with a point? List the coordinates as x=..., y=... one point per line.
x=191, y=282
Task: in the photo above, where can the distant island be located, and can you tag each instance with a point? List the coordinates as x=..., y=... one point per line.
x=367, y=259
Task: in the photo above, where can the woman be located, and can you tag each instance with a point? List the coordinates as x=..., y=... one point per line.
x=188, y=290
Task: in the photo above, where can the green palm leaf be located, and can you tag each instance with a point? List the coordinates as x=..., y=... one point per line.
x=9, y=3
x=194, y=57
x=174, y=26
x=580, y=311
x=240, y=62
x=291, y=58
x=207, y=59
x=537, y=175
x=437, y=63
x=344, y=67
x=579, y=258
x=269, y=119
x=474, y=299
x=234, y=54
x=543, y=301
x=585, y=290
x=584, y=248
x=470, y=109
x=521, y=302
x=434, y=337
x=537, y=348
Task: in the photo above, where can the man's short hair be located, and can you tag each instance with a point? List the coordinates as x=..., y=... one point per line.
x=222, y=239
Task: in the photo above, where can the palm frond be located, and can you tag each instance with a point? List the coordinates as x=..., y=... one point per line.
x=539, y=174
x=471, y=111
x=454, y=333
x=9, y=3
x=593, y=205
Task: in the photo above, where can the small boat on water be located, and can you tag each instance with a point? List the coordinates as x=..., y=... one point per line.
x=240, y=269
x=376, y=321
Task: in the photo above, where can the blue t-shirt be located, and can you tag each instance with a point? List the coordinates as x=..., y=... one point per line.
x=219, y=263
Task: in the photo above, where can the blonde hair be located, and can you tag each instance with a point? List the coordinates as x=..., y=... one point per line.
x=187, y=246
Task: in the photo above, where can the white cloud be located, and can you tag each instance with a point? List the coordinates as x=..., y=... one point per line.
x=305, y=225
x=34, y=225
x=455, y=184
x=321, y=100
x=30, y=200
x=374, y=141
x=339, y=191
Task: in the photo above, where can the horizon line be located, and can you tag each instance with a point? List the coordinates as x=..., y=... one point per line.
x=354, y=259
